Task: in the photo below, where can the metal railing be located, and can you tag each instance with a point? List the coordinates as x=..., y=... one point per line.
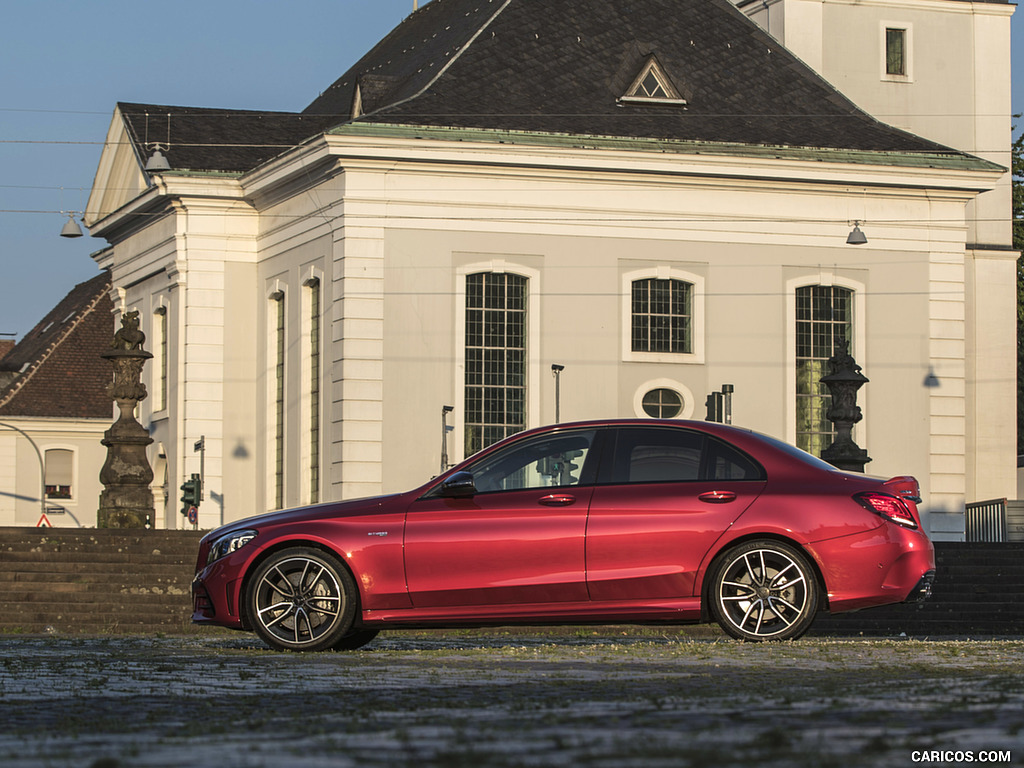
x=986, y=521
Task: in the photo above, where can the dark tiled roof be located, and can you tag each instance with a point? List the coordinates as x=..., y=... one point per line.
x=215, y=139
x=551, y=67
x=55, y=371
x=560, y=66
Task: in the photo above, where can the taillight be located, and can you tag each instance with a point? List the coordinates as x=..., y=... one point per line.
x=892, y=508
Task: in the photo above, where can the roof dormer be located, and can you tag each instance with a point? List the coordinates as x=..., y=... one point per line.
x=652, y=86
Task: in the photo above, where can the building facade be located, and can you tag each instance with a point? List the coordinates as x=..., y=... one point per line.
x=482, y=198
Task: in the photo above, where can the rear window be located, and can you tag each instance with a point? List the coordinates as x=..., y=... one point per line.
x=800, y=455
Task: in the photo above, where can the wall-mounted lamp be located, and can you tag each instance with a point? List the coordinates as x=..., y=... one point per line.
x=556, y=371
x=856, y=237
x=157, y=162
x=71, y=228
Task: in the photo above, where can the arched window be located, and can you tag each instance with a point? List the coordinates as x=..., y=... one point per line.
x=496, y=357
x=278, y=361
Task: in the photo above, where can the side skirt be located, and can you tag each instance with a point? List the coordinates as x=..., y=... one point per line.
x=681, y=610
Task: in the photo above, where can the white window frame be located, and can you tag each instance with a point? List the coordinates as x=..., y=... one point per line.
x=160, y=365
x=664, y=272
x=533, y=276
x=908, y=51
x=689, y=402
x=313, y=278
x=277, y=290
x=72, y=500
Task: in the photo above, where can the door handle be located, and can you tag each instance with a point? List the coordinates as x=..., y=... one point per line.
x=557, y=500
x=717, y=497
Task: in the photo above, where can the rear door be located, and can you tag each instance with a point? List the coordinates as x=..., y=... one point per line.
x=664, y=498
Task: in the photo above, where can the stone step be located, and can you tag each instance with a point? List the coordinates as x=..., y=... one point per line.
x=28, y=561
x=46, y=573
x=21, y=539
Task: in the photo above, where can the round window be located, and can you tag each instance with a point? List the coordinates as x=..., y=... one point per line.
x=663, y=403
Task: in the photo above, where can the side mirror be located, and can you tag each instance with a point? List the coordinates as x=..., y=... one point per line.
x=458, y=486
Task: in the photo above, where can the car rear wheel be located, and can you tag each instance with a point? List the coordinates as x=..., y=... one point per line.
x=764, y=590
x=302, y=599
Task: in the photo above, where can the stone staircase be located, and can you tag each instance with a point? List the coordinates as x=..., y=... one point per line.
x=105, y=581
x=96, y=581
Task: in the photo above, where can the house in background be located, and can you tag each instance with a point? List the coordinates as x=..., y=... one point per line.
x=54, y=410
x=655, y=195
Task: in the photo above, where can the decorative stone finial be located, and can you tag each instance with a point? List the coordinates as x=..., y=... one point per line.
x=843, y=381
x=126, y=501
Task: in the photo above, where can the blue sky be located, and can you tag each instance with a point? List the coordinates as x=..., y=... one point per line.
x=64, y=64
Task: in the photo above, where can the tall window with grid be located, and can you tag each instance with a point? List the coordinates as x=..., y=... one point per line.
x=314, y=391
x=662, y=316
x=824, y=317
x=279, y=358
x=160, y=349
x=495, y=386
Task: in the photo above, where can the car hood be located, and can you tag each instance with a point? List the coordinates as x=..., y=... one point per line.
x=333, y=509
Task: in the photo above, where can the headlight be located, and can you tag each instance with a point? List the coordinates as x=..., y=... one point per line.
x=228, y=543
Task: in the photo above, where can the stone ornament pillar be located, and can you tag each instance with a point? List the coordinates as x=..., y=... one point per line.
x=127, y=499
x=843, y=381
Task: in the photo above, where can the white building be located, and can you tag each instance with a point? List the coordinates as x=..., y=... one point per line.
x=656, y=196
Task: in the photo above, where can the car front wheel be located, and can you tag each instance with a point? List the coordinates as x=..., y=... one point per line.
x=764, y=590
x=302, y=599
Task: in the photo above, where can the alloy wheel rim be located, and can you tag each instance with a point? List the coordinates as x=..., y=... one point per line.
x=299, y=601
x=763, y=592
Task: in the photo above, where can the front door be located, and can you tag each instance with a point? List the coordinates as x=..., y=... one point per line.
x=518, y=539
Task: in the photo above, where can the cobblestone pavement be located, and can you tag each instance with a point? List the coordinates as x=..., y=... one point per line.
x=612, y=698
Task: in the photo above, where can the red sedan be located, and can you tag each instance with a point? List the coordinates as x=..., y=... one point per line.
x=610, y=522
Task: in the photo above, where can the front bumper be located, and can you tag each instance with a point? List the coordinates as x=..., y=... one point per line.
x=215, y=593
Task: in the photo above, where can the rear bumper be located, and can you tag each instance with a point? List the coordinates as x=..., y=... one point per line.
x=887, y=565
x=922, y=590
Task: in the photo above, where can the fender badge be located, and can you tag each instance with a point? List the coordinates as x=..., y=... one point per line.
x=377, y=533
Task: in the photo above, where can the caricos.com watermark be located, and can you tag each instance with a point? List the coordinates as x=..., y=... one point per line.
x=953, y=756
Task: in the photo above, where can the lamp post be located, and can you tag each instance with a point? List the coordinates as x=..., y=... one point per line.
x=42, y=465
x=556, y=371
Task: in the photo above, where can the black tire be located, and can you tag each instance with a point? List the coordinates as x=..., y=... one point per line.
x=356, y=639
x=301, y=599
x=764, y=590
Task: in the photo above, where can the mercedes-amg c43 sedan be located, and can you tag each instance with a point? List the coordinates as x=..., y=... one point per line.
x=599, y=522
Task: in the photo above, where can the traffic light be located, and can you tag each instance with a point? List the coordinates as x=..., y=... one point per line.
x=191, y=492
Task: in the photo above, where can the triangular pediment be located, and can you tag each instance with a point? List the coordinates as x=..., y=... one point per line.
x=652, y=86
x=120, y=177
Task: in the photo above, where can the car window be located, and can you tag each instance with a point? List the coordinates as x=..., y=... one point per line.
x=657, y=456
x=727, y=463
x=547, y=461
